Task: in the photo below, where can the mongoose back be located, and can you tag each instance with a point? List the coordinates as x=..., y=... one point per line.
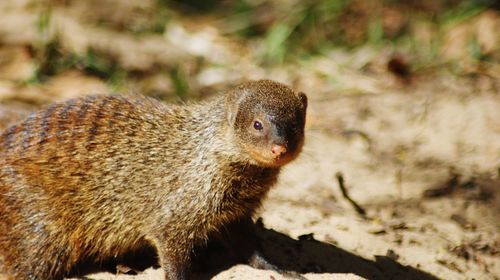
x=97, y=176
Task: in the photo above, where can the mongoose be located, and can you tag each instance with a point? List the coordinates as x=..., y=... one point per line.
x=96, y=176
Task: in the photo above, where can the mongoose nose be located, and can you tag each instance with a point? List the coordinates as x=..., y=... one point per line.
x=278, y=150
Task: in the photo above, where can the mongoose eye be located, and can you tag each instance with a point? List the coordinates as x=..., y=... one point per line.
x=257, y=125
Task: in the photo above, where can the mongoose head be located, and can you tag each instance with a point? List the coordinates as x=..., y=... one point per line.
x=268, y=120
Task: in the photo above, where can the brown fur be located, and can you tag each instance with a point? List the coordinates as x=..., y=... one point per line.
x=98, y=176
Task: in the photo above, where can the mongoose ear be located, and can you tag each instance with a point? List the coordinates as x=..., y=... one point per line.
x=303, y=98
x=231, y=110
x=233, y=101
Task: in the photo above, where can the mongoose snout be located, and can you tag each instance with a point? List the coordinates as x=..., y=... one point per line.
x=278, y=151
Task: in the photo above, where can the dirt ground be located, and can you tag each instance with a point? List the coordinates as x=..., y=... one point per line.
x=420, y=156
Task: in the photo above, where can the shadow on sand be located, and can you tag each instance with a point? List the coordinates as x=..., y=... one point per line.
x=305, y=255
x=308, y=255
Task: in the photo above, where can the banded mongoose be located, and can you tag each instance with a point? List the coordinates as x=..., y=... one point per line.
x=97, y=176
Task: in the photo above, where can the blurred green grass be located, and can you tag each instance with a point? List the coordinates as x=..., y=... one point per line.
x=286, y=30
x=302, y=28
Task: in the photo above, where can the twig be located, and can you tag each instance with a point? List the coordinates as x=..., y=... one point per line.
x=359, y=209
x=445, y=189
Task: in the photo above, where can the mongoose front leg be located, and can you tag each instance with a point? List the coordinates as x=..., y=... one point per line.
x=174, y=260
